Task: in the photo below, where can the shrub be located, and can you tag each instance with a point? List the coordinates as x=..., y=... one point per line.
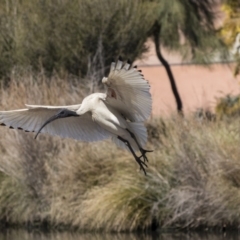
x=228, y=106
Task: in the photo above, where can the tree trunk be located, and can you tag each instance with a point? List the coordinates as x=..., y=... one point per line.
x=156, y=35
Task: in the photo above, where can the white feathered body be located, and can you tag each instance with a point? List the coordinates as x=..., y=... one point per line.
x=111, y=120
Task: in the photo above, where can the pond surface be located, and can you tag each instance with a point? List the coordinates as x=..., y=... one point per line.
x=24, y=235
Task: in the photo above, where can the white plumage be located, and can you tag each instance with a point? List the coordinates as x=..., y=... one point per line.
x=118, y=114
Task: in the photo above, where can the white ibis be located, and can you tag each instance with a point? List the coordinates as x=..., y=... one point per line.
x=118, y=114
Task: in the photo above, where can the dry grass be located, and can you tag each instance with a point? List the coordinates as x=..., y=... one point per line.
x=193, y=175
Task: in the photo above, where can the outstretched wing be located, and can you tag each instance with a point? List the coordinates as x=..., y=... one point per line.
x=128, y=92
x=34, y=116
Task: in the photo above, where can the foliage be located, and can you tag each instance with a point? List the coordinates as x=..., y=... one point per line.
x=193, y=175
x=231, y=25
x=77, y=36
x=231, y=29
x=81, y=37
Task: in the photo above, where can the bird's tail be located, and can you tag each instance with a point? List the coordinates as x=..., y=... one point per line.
x=140, y=132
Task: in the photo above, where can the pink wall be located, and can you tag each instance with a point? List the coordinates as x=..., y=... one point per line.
x=198, y=86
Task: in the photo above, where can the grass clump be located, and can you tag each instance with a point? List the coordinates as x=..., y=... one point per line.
x=192, y=179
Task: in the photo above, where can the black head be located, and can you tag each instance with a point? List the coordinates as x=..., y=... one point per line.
x=63, y=113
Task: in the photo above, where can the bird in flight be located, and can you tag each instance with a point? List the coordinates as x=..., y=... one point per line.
x=118, y=114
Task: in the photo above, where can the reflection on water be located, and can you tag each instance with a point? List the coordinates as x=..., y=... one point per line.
x=24, y=235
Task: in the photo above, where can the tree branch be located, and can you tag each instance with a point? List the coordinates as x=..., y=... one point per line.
x=156, y=35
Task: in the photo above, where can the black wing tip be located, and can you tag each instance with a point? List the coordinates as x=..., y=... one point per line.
x=10, y=127
x=121, y=59
x=18, y=128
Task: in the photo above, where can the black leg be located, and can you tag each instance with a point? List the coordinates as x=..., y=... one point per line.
x=143, y=151
x=138, y=159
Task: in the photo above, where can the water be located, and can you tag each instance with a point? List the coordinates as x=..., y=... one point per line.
x=24, y=235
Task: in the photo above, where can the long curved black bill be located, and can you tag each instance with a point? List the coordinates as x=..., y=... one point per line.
x=47, y=122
